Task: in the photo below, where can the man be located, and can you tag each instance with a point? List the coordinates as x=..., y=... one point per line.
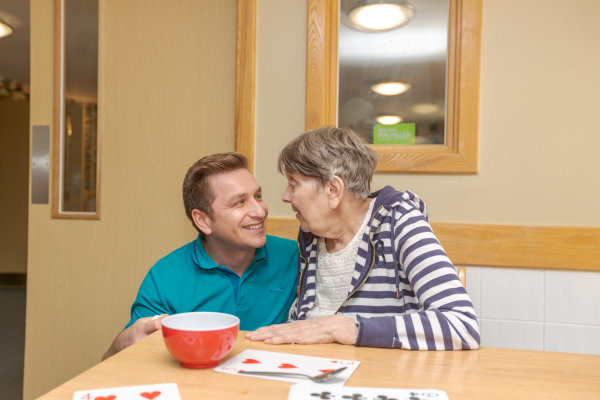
x=232, y=267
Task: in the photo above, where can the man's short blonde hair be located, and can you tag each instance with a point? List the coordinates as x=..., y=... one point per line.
x=328, y=151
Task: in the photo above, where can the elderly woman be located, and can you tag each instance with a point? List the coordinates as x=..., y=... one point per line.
x=371, y=271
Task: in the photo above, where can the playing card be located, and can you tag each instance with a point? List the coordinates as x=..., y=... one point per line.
x=261, y=361
x=312, y=391
x=161, y=391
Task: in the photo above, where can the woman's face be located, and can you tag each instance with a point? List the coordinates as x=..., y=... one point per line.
x=309, y=200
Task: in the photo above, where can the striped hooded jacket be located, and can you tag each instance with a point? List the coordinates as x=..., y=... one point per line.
x=405, y=291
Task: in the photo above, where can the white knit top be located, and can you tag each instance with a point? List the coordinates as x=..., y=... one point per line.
x=334, y=273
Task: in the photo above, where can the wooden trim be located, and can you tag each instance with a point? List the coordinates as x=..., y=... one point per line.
x=511, y=246
x=100, y=107
x=460, y=153
x=245, y=86
x=462, y=275
x=283, y=227
x=548, y=247
x=56, y=149
x=321, y=63
x=56, y=111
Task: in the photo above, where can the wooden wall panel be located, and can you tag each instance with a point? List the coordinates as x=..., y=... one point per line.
x=560, y=247
x=245, y=83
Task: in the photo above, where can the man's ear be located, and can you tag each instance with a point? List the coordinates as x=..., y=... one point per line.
x=335, y=191
x=202, y=221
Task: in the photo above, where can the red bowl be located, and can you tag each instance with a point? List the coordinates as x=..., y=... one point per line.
x=200, y=339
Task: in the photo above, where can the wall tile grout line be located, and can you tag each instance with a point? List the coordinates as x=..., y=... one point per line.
x=544, y=310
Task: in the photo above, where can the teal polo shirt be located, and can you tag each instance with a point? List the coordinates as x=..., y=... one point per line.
x=189, y=280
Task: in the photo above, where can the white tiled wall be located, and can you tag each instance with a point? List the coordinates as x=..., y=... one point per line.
x=537, y=309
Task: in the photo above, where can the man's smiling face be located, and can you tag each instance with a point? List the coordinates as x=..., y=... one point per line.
x=239, y=212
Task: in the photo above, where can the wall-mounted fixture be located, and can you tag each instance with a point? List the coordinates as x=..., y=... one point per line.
x=378, y=16
x=5, y=29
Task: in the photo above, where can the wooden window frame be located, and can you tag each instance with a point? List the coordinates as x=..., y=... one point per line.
x=460, y=152
x=58, y=98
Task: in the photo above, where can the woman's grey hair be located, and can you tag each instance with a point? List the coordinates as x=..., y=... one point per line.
x=328, y=151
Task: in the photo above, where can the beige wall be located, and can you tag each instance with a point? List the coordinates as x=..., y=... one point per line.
x=538, y=132
x=14, y=168
x=280, y=87
x=167, y=98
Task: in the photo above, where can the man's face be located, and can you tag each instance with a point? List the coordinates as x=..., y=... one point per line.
x=239, y=213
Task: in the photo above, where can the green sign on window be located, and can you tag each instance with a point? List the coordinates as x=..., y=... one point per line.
x=394, y=134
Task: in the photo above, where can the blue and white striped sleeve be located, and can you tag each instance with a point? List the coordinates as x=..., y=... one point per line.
x=446, y=319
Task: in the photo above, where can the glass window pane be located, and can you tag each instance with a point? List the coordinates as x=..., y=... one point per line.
x=413, y=57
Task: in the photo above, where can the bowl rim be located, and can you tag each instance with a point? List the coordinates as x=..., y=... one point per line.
x=165, y=321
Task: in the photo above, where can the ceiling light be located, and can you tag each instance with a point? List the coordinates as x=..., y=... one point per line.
x=390, y=88
x=425, y=108
x=5, y=29
x=389, y=119
x=380, y=16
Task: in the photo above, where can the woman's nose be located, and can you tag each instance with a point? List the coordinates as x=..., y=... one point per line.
x=286, y=196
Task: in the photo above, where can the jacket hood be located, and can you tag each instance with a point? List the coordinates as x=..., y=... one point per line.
x=388, y=197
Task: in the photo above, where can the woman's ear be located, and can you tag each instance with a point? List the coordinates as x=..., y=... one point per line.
x=202, y=221
x=335, y=191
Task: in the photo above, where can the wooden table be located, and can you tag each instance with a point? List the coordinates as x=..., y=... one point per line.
x=488, y=373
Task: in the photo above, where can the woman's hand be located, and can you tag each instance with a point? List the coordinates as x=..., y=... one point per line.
x=329, y=329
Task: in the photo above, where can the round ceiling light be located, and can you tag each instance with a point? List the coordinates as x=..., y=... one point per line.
x=5, y=29
x=389, y=119
x=390, y=88
x=382, y=16
x=425, y=108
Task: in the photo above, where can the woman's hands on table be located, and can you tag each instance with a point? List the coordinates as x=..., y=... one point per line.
x=328, y=329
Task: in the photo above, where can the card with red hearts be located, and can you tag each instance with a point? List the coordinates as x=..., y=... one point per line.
x=160, y=391
x=269, y=361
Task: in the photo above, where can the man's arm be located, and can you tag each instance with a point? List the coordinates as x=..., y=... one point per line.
x=138, y=330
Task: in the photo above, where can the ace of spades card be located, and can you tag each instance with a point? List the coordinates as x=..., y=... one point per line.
x=162, y=391
x=264, y=361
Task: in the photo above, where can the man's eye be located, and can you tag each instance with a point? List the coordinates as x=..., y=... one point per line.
x=239, y=203
x=258, y=196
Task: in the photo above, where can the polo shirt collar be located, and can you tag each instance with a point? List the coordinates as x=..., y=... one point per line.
x=203, y=260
